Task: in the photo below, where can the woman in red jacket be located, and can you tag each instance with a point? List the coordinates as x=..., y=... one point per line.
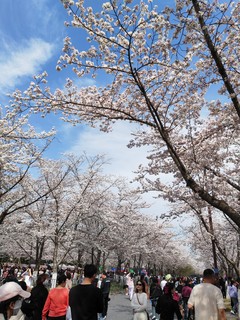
x=57, y=301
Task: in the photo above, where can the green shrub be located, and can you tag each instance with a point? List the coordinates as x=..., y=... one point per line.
x=116, y=288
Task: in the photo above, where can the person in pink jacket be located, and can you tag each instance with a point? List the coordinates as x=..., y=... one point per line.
x=130, y=284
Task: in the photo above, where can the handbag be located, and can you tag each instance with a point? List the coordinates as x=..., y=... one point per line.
x=148, y=317
x=191, y=314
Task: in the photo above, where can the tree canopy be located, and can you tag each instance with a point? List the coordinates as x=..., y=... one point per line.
x=174, y=71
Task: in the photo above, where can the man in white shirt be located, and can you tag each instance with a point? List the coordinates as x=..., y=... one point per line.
x=163, y=283
x=207, y=299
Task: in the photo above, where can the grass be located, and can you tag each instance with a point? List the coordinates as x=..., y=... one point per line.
x=116, y=288
x=227, y=303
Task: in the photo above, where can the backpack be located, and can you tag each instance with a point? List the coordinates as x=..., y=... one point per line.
x=157, y=292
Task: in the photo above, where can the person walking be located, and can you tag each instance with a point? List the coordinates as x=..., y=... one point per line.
x=155, y=293
x=139, y=302
x=207, y=299
x=130, y=284
x=28, y=277
x=233, y=294
x=69, y=280
x=163, y=282
x=105, y=288
x=186, y=291
x=166, y=305
x=39, y=296
x=144, y=278
x=222, y=284
x=57, y=301
x=86, y=300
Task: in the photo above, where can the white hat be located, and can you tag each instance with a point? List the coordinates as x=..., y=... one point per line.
x=12, y=289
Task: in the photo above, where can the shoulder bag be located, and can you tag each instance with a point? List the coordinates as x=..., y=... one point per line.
x=148, y=317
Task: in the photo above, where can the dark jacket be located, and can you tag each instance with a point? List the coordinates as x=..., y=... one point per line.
x=166, y=307
x=155, y=291
x=105, y=286
x=38, y=297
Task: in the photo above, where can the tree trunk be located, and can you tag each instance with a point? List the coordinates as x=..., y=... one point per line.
x=98, y=259
x=216, y=57
x=79, y=257
x=154, y=269
x=212, y=239
x=104, y=258
x=92, y=255
x=119, y=265
x=39, y=253
x=139, y=263
x=55, y=262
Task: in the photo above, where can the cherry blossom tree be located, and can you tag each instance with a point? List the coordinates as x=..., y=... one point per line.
x=21, y=147
x=227, y=244
x=69, y=205
x=88, y=213
x=185, y=206
x=174, y=71
x=28, y=227
x=106, y=228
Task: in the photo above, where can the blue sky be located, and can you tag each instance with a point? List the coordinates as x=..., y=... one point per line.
x=31, y=39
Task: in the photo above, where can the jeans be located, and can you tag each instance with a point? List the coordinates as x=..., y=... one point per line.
x=234, y=303
x=185, y=307
x=154, y=303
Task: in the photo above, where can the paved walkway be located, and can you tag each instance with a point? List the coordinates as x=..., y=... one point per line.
x=119, y=308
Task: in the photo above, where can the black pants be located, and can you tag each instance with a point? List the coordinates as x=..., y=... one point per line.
x=105, y=304
x=57, y=318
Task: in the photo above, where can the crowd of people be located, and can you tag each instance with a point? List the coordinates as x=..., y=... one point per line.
x=28, y=274
x=186, y=298
x=86, y=298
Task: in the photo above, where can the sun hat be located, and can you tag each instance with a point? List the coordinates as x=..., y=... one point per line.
x=168, y=277
x=11, y=289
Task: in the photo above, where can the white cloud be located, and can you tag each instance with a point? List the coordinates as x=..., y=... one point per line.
x=23, y=60
x=114, y=145
x=123, y=161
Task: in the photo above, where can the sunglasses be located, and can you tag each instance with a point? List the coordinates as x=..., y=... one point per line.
x=139, y=284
